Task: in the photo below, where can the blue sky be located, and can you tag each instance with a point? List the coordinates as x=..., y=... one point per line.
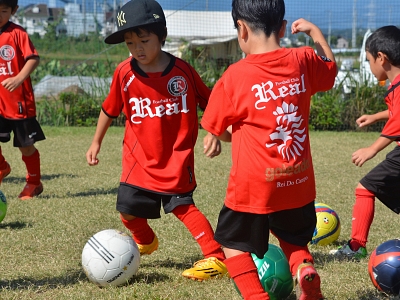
x=337, y=14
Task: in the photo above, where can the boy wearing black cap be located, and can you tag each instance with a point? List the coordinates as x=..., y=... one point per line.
x=159, y=94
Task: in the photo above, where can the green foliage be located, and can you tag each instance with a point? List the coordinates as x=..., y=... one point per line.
x=69, y=110
x=333, y=111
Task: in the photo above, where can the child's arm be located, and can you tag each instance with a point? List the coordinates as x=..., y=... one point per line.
x=366, y=120
x=102, y=125
x=212, y=145
x=12, y=83
x=364, y=154
x=315, y=33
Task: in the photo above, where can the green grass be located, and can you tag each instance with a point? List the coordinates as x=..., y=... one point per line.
x=41, y=240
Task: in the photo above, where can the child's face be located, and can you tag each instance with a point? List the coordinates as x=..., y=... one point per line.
x=5, y=14
x=145, y=47
x=376, y=66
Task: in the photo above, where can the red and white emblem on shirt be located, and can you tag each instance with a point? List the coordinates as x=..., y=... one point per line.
x=177, y=86
x=7, y=52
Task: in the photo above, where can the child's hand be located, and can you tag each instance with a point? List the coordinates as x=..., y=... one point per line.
x=365, y=120
x=302, y=25
x=362, y=155
x=212, y=145
x=10, y=84
x=91, y=155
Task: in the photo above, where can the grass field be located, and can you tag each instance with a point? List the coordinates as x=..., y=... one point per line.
x=41, y=240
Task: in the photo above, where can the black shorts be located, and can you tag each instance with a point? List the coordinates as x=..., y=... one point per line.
x=384, y=180
x=147, y=205
x=250, y=232
x=26, y=131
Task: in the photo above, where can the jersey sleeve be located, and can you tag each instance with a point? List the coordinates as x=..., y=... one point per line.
x=27, y=48
x=220, y=111
x=322, y=71
x=202, y=92
x=113, y=104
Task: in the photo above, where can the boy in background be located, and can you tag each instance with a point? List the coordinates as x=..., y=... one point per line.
x=265, y=97
x=383, y=53
x=159, y=95
x=18, y=59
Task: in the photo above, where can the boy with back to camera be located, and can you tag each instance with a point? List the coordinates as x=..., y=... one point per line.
x=18, y=59
x=265, y=97
x=159, y=94
x=383, y=53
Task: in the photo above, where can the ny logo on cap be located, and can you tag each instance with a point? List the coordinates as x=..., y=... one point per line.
x=156, y=16
x=121, y=18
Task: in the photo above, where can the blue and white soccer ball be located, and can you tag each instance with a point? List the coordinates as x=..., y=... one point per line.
x=110, y=258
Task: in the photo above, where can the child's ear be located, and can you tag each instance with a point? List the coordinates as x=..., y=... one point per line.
x=381, y=58
x=283, y=29
x=242, y=28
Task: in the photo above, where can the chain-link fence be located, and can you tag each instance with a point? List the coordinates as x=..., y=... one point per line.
x=69, y=37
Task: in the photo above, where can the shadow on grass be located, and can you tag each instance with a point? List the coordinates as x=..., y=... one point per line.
x=72, y=277
x=25, y=283
x=15, y=225
x=44, y=177
x=374, y=295
x=94, y=192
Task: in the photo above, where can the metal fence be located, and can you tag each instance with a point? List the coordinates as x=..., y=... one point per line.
x=202, y=28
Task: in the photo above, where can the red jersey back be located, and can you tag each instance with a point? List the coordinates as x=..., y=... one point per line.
x=161, y=124
x=266, y=99
x=15, y=49
x=392, y=99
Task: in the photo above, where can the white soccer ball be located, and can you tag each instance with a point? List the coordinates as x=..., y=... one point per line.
x=110, y=258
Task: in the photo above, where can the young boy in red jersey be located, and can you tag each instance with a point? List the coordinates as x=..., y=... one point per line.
x=159, y=95
x=265, y=97
x=18, y=59
x=383, y=53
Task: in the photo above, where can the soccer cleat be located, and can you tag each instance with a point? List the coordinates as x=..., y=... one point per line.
x=308, y=283
x=4, y=173
x=346, y=252
x=30, y=191
x=206, y=269
x=150, y=248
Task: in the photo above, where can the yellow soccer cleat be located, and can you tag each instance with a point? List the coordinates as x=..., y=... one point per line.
x=206, y=269
x=150, y=248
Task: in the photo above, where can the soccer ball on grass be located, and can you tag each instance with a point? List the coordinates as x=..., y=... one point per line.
x=3, y=206
x=384, y=267
x=327, y=229
x=110, y=258
x=274, y=273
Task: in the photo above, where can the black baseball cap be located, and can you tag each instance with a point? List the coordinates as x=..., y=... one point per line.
x=136, y=13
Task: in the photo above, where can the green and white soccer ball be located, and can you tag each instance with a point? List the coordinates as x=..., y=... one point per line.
x=274, y=273
x=3, y=206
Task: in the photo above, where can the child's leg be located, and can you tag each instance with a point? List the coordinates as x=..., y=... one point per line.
x=4, y=167
x=363, y=215
x=302, y=268
x=244, y=273
x=31, y=158
x=141, y=232
x=201, y=230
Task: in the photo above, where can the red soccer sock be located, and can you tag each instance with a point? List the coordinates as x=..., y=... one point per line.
x=244, y=273
x=3, y=163
x=32, y=164
x=200, y=229
x=363, y=215
x=296, y=255
x=140, y=229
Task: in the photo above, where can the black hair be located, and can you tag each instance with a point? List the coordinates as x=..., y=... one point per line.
x=265, y=15
x=158, y=29
x=9, y=3
x=386, y=40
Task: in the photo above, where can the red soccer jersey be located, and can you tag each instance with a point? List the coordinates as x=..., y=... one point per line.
x=266, y=99
x=161, y=124
x=392, y=99
x=15, y=49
